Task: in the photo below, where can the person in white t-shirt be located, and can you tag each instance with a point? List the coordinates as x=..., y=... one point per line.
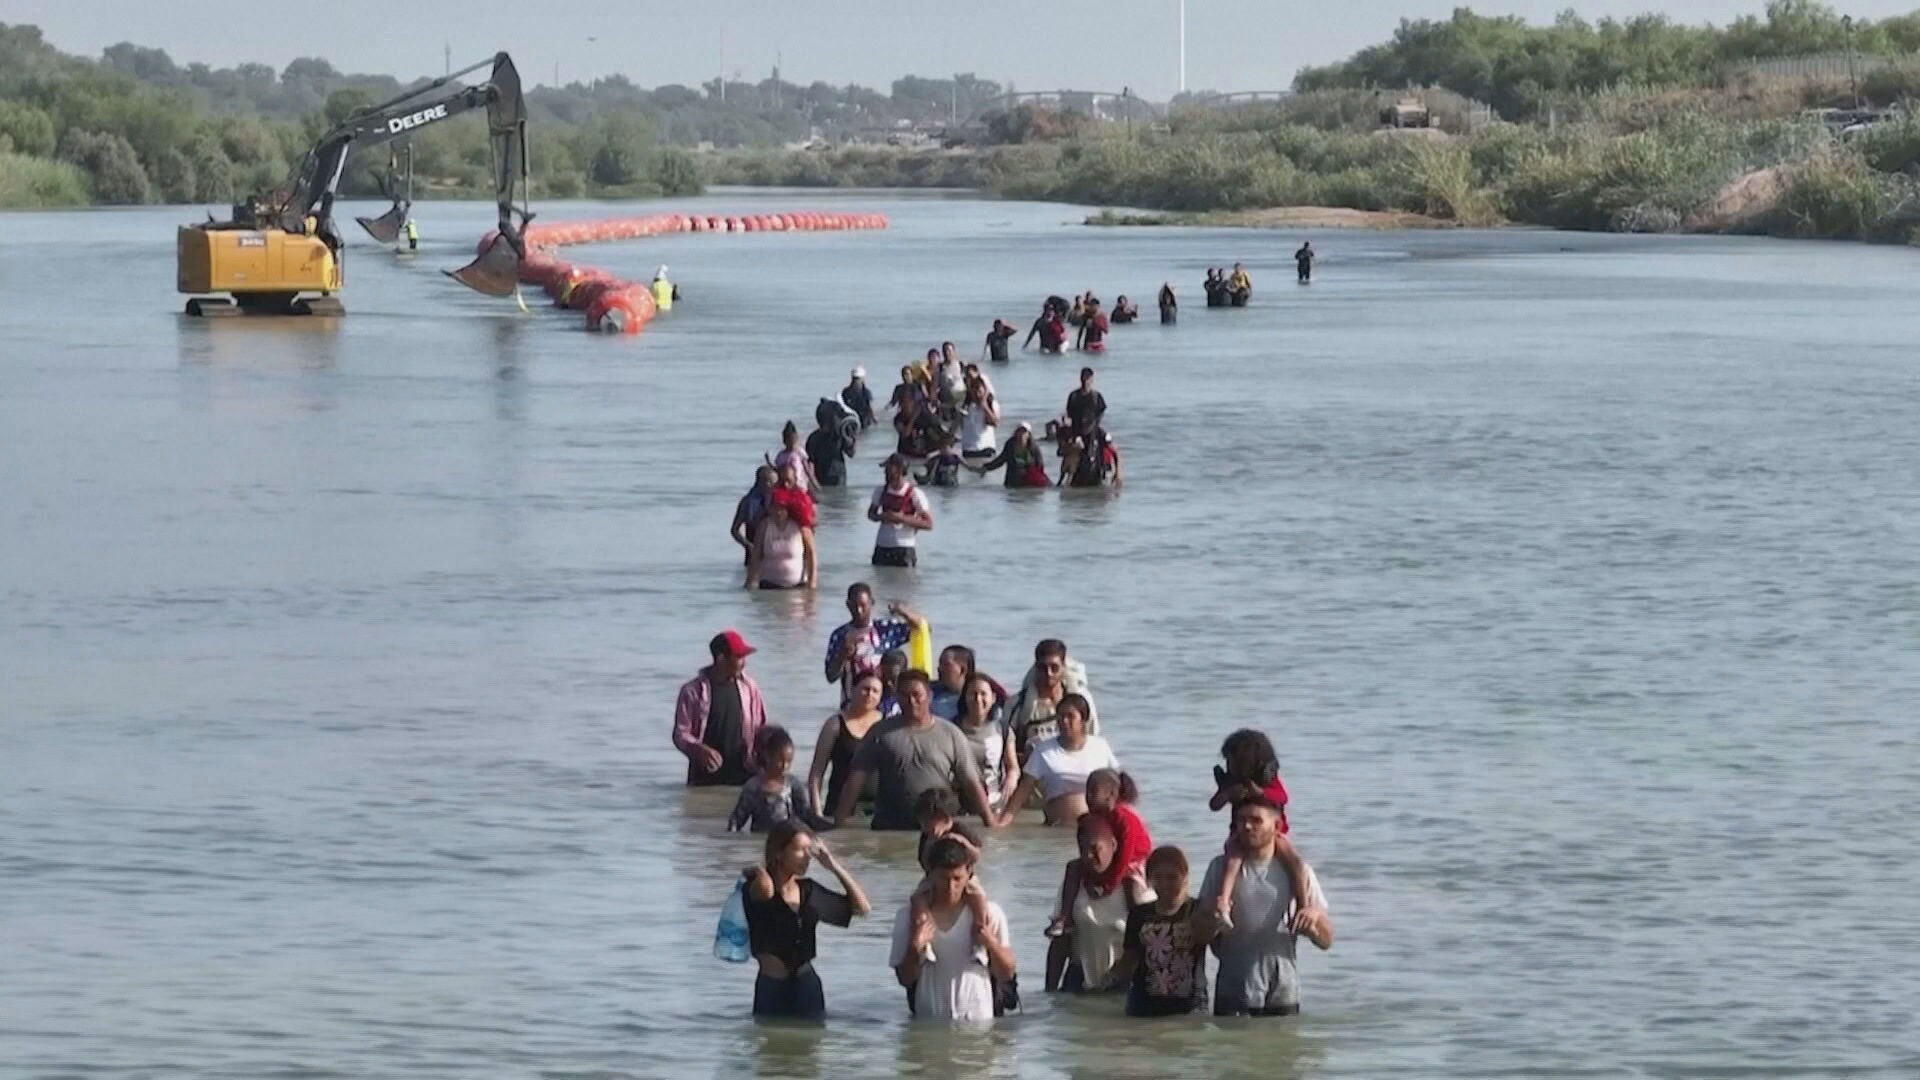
x=952, y=375
x=978, y=419
x=945, y=957
x=1058, y=767
x=902, y=511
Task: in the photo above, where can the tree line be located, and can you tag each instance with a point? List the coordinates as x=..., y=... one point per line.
x=134, y=126
x=1521, y=69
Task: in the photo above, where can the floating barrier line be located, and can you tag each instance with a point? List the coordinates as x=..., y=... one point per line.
x=616, y=305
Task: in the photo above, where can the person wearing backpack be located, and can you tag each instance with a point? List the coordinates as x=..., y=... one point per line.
x=903, y=513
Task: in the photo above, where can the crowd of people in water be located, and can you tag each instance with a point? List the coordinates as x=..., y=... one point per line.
x=915, y=749
x=908, y=749
x=946, y=421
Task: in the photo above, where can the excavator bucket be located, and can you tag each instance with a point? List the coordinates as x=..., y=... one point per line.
x=385, y=228
x=496, y=272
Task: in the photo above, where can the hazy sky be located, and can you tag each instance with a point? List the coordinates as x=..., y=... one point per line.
x=1037, y=44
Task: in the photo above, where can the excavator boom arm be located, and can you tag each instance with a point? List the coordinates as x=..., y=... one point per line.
x=318, y=179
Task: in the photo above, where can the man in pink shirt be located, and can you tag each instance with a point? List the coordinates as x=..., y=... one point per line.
x=718, y=716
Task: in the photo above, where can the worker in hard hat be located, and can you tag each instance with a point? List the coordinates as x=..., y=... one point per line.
x=413, y=234
x=663, y=290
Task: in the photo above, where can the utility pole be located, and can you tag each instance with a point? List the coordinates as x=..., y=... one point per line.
x=1126, y=105
x=723, y=63
x=556, y=74
x=1183, y=46
x=1853, y=76
x=446, y=53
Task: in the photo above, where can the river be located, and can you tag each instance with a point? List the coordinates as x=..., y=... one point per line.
x=1577, y=579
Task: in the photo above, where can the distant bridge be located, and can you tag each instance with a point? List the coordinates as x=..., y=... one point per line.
x=1233, y=98
x=1108, y=105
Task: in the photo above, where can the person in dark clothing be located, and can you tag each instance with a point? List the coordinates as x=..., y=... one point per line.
x=1086, y=407
x=859, y=398
x=1303, y=259
x=752, y=509
x=1051, y=331
x=1169, y=305
x=718, y=715
x=1163, y=966
x=942, y=467
x=1091, y=460
x=1216, y=287
x=784, y=908
x=1125, y=311
x=828, y=448
x=1025, y=462
x=917, y=428
x=997, y=339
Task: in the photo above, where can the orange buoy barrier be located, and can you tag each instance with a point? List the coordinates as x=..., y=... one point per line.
x=617, y=306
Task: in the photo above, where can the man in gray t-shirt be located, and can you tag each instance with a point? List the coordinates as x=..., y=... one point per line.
x=909, y=754
x=1257, y=976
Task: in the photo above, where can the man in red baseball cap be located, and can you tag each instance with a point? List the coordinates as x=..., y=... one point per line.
x=718, y=716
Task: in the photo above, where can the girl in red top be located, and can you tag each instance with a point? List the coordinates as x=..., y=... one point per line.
x=1251, y=769
x=1110, y=795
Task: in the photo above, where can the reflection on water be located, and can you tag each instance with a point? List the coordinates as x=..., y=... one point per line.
x=1572, y=575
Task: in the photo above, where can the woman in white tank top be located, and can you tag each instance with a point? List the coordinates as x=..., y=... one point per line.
x=1100, y=922
x=783, y=555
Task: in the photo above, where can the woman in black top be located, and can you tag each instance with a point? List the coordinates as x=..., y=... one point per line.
x=783, y=908
x=840, y=739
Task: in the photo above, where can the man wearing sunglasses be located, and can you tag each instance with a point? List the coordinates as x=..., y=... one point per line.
x=1052, y=677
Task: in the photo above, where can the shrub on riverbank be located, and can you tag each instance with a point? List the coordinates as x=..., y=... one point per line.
x=1838, y=195
x=32, y=183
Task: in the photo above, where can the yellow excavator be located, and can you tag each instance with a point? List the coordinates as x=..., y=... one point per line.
x=280, y=254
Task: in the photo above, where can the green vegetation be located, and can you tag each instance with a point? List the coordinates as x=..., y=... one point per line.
x=1522, y=70
x=1643, y=125
x=1682, y=169
x=135, y=127
x=37, y=183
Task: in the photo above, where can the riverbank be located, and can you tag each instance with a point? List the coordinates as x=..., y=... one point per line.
x=1277, y=217
x=1629, y=161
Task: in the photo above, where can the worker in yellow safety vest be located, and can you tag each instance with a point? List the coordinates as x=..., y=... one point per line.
x=413, y=235
x=663, y=290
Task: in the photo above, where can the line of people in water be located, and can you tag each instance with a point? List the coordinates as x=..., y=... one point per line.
x=916, y=750
x=946, y=419
x=1089, y=322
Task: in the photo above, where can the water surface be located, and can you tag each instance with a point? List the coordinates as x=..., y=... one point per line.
x=1574, y=576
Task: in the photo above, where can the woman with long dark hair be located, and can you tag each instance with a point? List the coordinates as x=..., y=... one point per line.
x=840, y=738
x=784, y=907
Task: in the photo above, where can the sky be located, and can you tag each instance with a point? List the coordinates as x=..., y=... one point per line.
x=1102, y=45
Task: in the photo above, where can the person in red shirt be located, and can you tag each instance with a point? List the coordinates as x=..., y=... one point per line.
x=1251, y=769
x=1110, y=795
x=1093, y=331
